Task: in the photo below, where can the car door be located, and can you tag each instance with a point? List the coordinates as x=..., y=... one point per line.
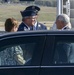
x=32, y=48
x=59, y=56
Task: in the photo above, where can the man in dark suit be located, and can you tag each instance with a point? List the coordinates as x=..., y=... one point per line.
x=64, y=50
x=31, y=11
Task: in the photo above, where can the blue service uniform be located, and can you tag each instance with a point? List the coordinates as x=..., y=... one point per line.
x=39, y=26
x=31, y=11
x=23, y=27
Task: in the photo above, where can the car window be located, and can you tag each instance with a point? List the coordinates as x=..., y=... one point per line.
x=64, y=50
x=17, y=55
x=22, y=50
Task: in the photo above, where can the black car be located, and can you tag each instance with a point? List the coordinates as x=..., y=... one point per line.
x=44, y=52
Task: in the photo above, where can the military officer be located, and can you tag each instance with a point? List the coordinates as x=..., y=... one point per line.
x=28, y=20
x=31, y=12
x=38, y=25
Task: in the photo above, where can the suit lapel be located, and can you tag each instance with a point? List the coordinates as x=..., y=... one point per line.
x=25, y=27
x=38, y=26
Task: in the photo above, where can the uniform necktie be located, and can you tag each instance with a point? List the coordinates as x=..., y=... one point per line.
x=31, y=28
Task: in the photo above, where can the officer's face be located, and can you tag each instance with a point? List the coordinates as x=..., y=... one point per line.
x=30, y=21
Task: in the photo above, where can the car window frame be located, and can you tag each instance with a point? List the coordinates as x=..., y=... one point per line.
x=14, y=39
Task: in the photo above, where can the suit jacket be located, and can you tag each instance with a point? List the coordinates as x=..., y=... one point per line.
x=39, y=26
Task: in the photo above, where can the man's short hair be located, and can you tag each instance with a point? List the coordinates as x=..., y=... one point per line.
x=64, y=18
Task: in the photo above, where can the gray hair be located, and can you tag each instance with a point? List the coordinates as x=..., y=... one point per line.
x=64, y=18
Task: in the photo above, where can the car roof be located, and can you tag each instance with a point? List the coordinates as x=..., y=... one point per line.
x=39, y=32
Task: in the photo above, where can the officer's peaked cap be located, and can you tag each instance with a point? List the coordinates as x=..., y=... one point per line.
x=33, y=7
x=27, y=13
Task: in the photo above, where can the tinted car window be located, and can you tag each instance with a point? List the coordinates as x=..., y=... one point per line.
x=64, y=50
x=17, y=55
x=29, y=47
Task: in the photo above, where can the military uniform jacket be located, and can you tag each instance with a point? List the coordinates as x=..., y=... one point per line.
x=40, y=26
x=24, y=27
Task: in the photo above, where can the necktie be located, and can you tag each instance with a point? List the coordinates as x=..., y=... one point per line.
x=31, y=28
x=34, y=28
